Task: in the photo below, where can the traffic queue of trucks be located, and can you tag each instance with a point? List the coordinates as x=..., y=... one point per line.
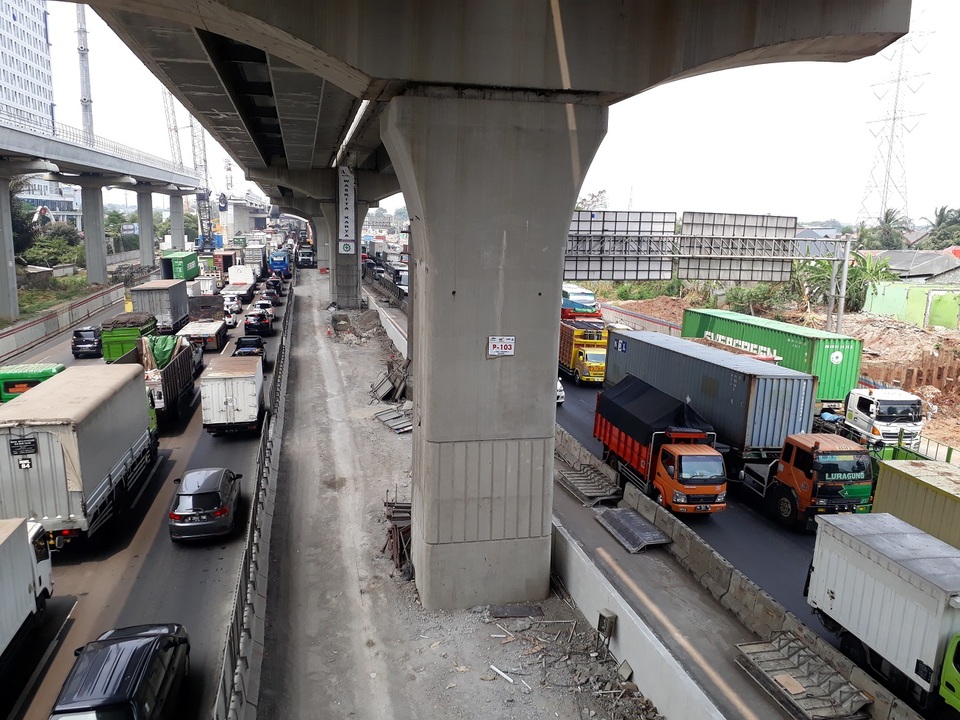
x=26, y=582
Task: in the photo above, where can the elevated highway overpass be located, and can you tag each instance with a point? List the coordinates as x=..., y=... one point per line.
x=486, y=116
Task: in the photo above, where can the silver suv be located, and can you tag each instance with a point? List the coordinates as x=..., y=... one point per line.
x=205, y=504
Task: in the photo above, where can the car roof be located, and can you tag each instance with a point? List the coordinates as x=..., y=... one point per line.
x=107, y=672
x=201, y=480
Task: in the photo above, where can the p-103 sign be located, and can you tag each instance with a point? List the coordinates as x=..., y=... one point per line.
x=498, y=346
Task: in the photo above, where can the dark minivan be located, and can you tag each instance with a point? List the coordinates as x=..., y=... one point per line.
x=86, y=341
x=132, y=673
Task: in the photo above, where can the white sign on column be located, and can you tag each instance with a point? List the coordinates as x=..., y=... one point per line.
x=346, y=210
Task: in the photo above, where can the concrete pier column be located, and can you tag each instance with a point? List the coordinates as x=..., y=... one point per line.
x=490, y=186
x=327, y=226
x=94, y=242
x=145, y=219
x=176, y=222
x=9, y=304
x=321, y=237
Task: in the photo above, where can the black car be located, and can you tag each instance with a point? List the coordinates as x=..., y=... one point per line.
x=132, y=673
x=86, y=341
x=257, y=323
x=275, y=284
x=250, y=345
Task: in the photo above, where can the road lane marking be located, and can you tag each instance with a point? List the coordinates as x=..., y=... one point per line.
x=728, y=692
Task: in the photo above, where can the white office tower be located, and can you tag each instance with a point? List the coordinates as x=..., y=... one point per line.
x=25, y=75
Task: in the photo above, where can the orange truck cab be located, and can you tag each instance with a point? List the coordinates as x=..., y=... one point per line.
x=661, y=445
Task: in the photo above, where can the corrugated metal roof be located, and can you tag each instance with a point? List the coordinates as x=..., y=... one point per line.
x=940, y=475
x=231, y=367
x=69, y=396
x=774, y=324
x=157, y=285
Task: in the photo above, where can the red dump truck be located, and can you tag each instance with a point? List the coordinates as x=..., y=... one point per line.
x=661, y=445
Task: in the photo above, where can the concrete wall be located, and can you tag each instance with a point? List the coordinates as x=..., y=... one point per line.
x=920, y=305
x=756, y=609
x=24, y=335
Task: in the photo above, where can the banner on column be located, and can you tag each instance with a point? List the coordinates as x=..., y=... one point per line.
x=347, y=231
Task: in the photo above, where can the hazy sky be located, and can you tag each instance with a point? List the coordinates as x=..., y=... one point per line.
x=789, y=139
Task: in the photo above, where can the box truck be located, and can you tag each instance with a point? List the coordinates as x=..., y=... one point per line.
x=166, y=300
x=231, y=394
x=891, y=593
x=209, y=334
x=662, y=446
x=26, y=582
x=76, y=449
x=168, y=373
x=179, y=265
x=752, y=405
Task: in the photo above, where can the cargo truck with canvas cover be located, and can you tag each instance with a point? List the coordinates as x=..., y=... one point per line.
x=25, y=582
x=816, y=474
x=752, y=405
x=891, y=593
x=583, y=350
x=662, y=446
x=168, y=373
x=76, y=449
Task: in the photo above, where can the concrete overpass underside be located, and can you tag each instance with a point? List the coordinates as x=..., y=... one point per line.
x=487, y=116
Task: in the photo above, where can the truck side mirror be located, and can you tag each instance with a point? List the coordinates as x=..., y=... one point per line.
x=176, y=481
x=671, y=470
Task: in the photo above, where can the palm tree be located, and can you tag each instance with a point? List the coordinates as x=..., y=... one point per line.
x=892, y=226
x=944, y=231
x=866, y=271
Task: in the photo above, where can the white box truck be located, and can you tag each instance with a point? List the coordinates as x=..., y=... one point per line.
x=75, y=450
x=166, y=300
x=25, y=581
x=231, y=395
x=891, y=592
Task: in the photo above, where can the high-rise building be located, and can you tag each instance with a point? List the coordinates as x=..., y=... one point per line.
x=26, y=92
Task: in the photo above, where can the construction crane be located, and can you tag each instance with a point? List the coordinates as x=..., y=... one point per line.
x=173, y=131
x=203, y=197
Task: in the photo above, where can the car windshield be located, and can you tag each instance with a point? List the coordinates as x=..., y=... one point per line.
x=597, y=356
x=696, y=469
x=99, y=714
x=583, y=298
x=85, y=334
x=904, y=411
x=249, y=342
x=198, y=502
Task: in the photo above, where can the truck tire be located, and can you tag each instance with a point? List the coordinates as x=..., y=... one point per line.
x=784, y=507
x=853, y=649
x=576, y=378
x=657, y=496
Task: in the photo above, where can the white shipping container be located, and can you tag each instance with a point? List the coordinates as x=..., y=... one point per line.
x=231, y=392
x=60, y=442
x=17, y=596
x=894, y=587
x=166, y=300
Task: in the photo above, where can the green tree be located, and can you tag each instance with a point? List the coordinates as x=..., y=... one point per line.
x=944, y=230
x=21, y=215
x=49, y=251
x=890, y=231
x=63, y=230
x=112, y=223
x=593, y=201
x=161, y=227
x=401, y=217
x=191, y=227
x=865, y=272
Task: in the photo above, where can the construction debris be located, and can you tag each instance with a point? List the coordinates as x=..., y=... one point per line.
x=399, y=418
x=398, y=534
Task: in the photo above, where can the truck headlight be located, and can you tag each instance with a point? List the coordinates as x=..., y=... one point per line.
x=721, y=497
x=679, y=497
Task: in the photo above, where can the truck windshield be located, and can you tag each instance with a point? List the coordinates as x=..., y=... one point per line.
x=698, y=469
x=597, y=356
x=907, y=411
x=835, y=467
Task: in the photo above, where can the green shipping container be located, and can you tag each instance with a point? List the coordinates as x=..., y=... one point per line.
x=186, y=266
x=834, y=359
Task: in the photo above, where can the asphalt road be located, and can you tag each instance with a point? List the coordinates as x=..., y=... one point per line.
x=774, y=558
x=137, y=575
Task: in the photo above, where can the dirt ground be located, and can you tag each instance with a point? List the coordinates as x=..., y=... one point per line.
x=885, y=340
x=346, y=634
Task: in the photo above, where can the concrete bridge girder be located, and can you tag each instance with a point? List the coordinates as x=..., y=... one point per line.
x=321, y=184
x=568, y=45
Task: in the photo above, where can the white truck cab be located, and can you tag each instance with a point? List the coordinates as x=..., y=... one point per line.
x=881, y=414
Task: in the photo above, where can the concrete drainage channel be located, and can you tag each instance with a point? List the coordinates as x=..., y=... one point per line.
x=825, y=682
x=239, y=674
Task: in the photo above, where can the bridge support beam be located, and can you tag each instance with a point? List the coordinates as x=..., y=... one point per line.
x=490, y=186
x=94, y=242
x=9, y=303
x=344, y=268
x=145, y=219
x=176, y=222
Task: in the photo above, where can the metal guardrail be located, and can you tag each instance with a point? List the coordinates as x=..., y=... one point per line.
x=238, y=675
x=34, y=124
